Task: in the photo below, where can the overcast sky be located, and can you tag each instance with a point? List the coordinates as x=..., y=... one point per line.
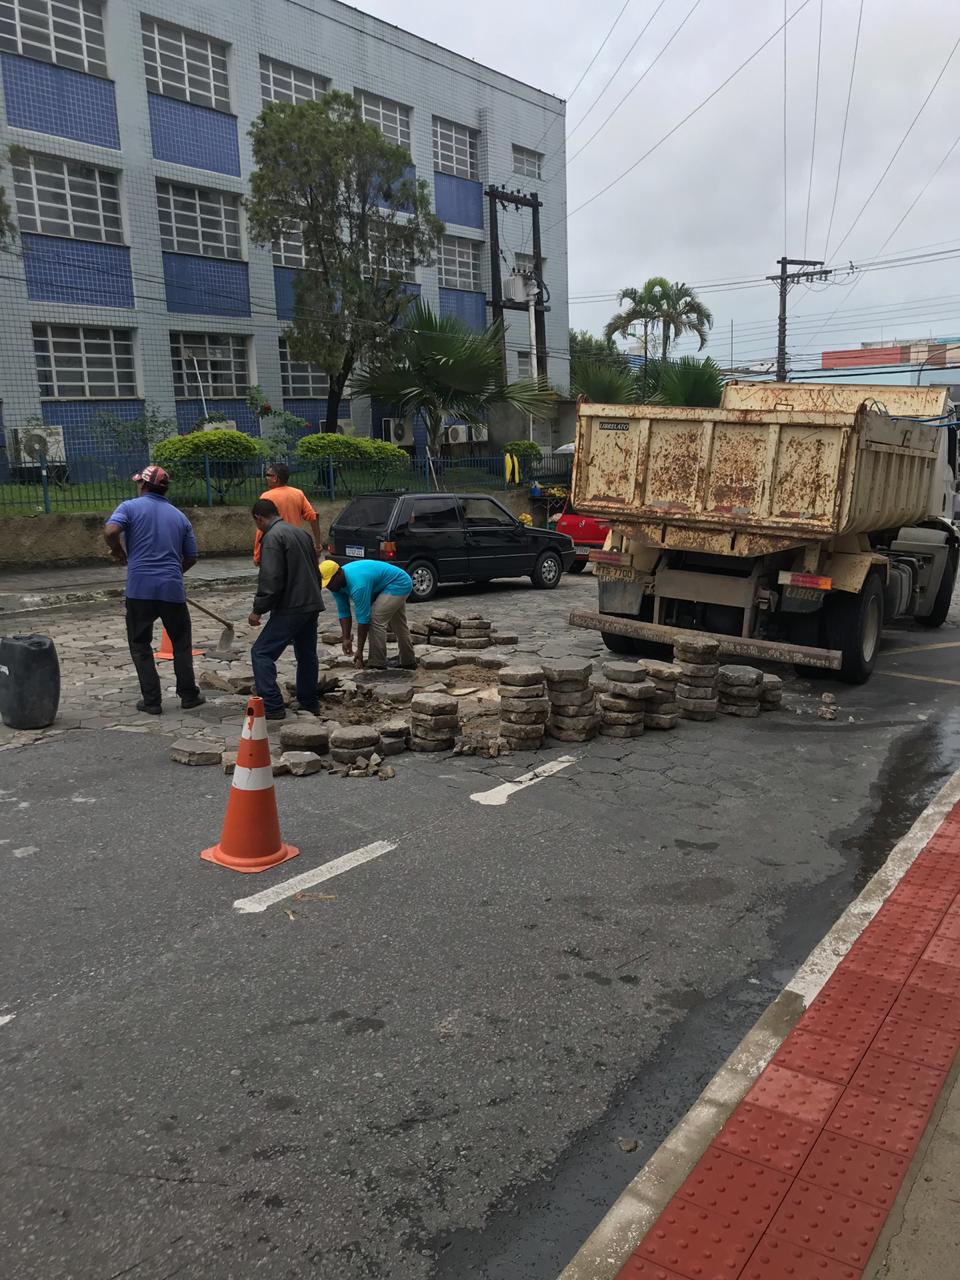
x=708, y=204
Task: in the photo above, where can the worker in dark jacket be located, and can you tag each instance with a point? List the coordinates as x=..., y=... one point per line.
x=289, y=590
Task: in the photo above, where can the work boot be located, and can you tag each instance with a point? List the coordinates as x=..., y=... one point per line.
x=151, y=708
x=189, y=704
x=275, y=715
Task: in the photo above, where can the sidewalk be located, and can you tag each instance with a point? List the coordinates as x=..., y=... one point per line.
x=841, y=1161
x=40, y=589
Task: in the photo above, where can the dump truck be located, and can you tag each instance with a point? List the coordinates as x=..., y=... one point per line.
x=789, y=524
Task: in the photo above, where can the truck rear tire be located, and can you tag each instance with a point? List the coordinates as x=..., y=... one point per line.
x=853, y=625
x=944, y=598
x=623, y=645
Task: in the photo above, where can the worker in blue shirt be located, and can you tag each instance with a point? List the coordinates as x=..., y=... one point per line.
x=378, y=592
x=156, y=543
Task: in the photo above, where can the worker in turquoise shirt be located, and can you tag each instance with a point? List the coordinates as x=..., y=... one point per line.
x=378, y=593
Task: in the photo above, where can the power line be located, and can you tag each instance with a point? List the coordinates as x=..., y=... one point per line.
x=813, y=144
x=636, y=84
x=611, y=78
x=843, y=133
x=689, y=116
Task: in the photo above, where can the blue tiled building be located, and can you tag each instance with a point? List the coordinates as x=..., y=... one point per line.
x=134, y=280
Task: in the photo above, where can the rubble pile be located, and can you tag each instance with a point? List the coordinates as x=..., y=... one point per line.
x=524, y=707
x=624, y=695
x=434, y=722
x=572, y=703
x=662, y=711
x=740, y=689
x=697, y=661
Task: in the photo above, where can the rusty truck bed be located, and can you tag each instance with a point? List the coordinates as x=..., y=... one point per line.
x=785, y=475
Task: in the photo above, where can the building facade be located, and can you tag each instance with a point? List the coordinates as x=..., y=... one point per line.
x=134, y=281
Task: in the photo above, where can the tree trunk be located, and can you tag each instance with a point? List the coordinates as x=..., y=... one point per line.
x=646, y=336
x=665, y=343
x=335, y=394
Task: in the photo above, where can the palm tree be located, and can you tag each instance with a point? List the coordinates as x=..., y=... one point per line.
x=646, y=310
x=440, y=369
x=689, y=381
x=681, y=311
x=602, y=383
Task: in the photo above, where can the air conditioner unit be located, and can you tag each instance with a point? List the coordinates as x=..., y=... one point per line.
x=31, y=445
x=458, y=434
x=397, y=431
x=479, y=433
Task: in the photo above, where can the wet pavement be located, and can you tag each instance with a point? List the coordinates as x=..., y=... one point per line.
x=434, y=1070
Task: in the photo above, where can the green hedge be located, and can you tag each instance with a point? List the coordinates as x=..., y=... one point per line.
x=328, y=446
x=524, y=449
x=225, y=446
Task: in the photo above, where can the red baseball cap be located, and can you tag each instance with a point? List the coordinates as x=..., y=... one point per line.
x=153, y=475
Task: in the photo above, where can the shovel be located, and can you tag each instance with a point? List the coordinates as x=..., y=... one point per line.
x=224, y=647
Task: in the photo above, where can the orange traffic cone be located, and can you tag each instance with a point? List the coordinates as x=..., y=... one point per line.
x=165, y=652
x=250, y=840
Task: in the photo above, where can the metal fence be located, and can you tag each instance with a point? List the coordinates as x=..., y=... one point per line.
x=90, y=485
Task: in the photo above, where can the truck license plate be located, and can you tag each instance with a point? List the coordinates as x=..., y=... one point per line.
x=356, y=552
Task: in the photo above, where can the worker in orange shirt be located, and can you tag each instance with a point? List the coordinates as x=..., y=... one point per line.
x=290, y=502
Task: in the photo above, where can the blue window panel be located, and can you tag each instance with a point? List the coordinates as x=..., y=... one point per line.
x=82, y=272
x=238, y=411
x=466, y=305
x=283, y=278
x=90, y=455
x=458, y=200
x=56, y=100
x=200, y=137
x=206, y=286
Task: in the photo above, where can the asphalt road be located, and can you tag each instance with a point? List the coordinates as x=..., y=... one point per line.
x=422, y=1069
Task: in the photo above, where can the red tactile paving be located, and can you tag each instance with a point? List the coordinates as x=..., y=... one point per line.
x=898, y=1079
x=852, y=1168
x=825, y=1222
x=799, y=1181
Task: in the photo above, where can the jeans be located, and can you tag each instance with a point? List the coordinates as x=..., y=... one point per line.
x=389, y=613
x=281, y=630
x=141, y=616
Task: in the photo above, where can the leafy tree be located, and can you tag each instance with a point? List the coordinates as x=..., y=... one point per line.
x=524, y=449
x=8, y=229
x=327, y=447
x=604, y=383
x=440, y=369
x=692, y=382
x=222, y=457
x=586, y=346
x=134, y=436
x=326, y=175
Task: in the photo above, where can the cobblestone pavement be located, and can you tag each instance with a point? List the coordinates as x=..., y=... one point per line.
x=99, y=687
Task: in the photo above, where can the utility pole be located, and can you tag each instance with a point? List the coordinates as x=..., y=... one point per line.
x=498, y=197
x=785, y=279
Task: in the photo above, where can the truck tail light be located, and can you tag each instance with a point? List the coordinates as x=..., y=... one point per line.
x=813, y=580
x=388, y=550
x=618, y=558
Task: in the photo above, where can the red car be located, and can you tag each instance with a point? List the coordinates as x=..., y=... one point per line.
x=587, y=534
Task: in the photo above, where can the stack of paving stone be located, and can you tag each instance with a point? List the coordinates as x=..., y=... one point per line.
x=624, y=699
x=448, y=630
x=573, y=704
x=348, y=742
x=474, y=632
x=662, y=710
x=697, y=660
x=524, y=707
x=740, y=690
x=434, y=722
x=771, y=693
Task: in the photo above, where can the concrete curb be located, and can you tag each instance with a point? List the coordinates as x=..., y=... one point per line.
x=610, y=1245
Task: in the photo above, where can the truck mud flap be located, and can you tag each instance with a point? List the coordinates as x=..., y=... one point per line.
x=733, y=646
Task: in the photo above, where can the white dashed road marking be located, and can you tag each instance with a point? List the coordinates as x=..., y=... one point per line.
x=260, y=901
x=501, y=794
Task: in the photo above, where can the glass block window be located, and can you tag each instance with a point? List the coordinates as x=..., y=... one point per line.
x=194, y=220
x=529, y=164
x=288, y=250
x=300, y=381
x=279, y=82
x=454, y=149
x=57, y=197
x=391, y=118
x=67, y=32
x=184, y=64
x=458, y=264
x=75, y=363
x=217, y=362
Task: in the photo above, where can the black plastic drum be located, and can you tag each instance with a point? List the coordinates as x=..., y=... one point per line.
x=29, y=681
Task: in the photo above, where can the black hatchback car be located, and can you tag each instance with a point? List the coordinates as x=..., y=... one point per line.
x=448, y=537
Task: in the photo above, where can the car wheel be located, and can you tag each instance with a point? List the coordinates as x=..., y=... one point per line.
x=425, y=581
x=578, y=566
x=548, y=571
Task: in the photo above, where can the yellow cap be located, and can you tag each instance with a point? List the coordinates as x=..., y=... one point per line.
x=327, y=570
